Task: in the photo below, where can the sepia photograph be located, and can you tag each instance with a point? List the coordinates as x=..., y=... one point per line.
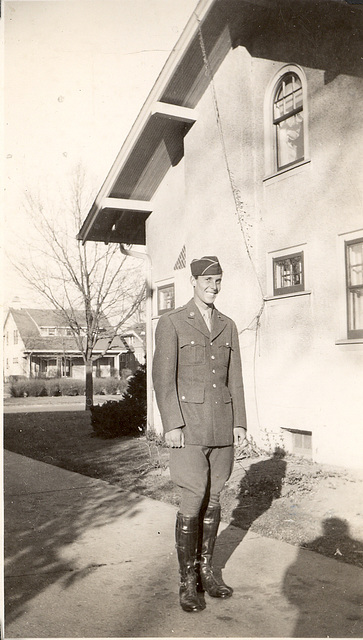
x=182, y=268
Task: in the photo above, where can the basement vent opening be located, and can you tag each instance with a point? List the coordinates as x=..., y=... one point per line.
x=300, y=442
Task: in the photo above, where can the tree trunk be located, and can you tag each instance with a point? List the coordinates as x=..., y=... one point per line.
x=89, y=385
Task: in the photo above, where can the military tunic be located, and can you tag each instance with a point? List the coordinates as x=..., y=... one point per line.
x=197, y=376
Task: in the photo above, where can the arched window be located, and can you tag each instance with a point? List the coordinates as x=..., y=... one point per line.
x=286, y=120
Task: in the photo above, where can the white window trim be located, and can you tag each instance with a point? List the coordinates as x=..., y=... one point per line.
x=159, y=284
x=269, y=142
x=342, y=287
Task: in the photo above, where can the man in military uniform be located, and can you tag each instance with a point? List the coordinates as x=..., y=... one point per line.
x=199, y=390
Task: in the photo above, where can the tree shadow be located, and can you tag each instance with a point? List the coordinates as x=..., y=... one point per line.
x=259, y=487
x=39, y=529
x=329, y=602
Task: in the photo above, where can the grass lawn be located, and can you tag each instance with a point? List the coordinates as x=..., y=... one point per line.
x=283, y=497
x=65, y=439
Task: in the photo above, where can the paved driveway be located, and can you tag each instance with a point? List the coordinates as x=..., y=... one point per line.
x=85, y=559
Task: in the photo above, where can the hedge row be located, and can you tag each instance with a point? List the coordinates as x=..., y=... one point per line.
x=67, y=386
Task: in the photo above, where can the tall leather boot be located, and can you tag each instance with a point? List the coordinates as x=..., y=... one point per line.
x=212, y=584
x=186, y=536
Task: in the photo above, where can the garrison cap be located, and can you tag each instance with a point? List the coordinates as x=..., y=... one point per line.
x=206, y=266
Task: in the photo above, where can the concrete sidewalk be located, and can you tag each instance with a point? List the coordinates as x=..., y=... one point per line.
x=85, y=559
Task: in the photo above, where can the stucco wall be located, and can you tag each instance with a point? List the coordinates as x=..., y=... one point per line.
x=306, y=380
x=295, y=374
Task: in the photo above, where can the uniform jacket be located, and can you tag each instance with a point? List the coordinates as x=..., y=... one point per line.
x=197, y=376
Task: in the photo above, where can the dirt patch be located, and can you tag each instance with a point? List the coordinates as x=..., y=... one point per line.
x=314, y=506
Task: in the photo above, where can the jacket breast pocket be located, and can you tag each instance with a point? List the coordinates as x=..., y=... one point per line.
x=224, y=353
x=191, y=352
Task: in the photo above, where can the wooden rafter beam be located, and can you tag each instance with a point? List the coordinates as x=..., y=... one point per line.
x=173, y=111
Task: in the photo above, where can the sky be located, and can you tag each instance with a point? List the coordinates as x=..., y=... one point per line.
x=76, y=74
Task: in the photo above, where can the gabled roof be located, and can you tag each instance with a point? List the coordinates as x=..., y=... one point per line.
x=30, y=321
x=322, y=34
x=24, y=322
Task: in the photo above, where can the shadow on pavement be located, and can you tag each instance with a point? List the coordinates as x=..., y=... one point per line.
x=320, y=600
x=259, y=487
x=39, y=534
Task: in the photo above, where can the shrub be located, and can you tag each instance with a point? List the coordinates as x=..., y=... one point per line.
x=47, y=387
x=20, y=388
x=71, y=386
x=17, y=388
x=126, y=417
x=53, y=387
x=32, y=387
x=109, y=386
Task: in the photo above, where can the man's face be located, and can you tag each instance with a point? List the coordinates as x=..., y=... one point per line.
x=206, y=288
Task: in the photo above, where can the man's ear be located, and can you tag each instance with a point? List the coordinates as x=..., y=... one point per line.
x=193, y=281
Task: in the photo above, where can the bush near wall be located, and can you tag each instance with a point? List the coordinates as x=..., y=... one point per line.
x=66, y=387
x=126, y=417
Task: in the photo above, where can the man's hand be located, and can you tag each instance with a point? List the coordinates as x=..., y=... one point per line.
x=175, y=438
x=239, y=436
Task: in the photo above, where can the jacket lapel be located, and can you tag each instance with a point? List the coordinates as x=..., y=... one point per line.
x=218, y=324
x=194, y=318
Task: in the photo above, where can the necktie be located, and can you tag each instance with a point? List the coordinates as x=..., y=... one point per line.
x=207, y=315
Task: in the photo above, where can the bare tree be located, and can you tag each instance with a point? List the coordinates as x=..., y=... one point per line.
x=93, y=278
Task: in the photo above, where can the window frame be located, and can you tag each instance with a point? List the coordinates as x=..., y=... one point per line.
x=160, y=289
x=351, y=333
x=277, y=120
x=280, y=291
x=270, y=143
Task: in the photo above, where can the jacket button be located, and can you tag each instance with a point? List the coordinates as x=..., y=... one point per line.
x=213, y=357
x=183, y=397
x=192, y=342
x=213, y=370
x=214, y=386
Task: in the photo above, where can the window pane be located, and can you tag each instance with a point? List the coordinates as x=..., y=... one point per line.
x=289, y=125
x=166, y=298
x=288, y=274
x=355, y=262
x=355, y=288
x=355, y=309
x=288, y=96
x=290, y=140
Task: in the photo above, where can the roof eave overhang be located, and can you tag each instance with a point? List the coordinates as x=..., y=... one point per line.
x=152, y=108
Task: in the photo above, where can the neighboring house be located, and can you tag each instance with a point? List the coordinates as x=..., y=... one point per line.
x=40, y=343
x=249, y=146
